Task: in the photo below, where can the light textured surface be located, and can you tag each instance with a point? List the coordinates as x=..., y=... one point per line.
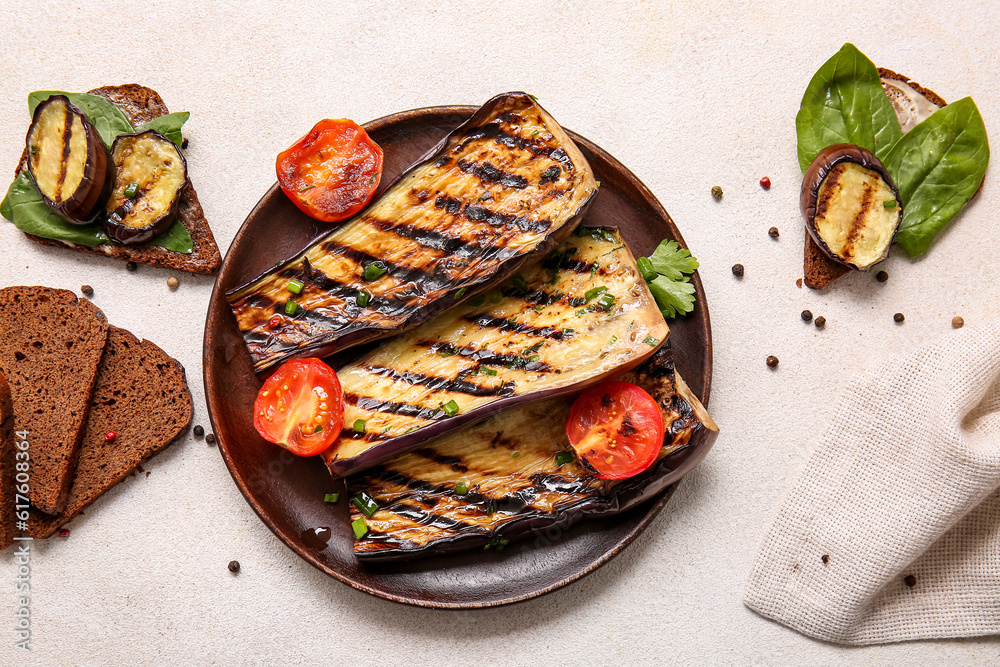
x=891, y=533
x=688, y=95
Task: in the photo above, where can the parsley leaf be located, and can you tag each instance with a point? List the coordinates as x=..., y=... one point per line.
x=672, y=261
x=674, y=297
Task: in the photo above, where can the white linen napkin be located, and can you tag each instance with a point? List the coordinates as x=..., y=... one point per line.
x=892, y=532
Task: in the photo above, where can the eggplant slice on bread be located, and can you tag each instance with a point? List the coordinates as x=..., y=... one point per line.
x=506, y=186
x=510, y=497
x=582, y=315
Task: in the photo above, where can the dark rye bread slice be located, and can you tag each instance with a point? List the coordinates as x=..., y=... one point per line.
x=7, y=469
x=51, y=344
x=141, y=396
x=141, y=105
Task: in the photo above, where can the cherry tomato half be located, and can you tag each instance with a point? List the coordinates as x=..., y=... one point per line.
x=300, y=407
x=332, y=172
x=616, y=429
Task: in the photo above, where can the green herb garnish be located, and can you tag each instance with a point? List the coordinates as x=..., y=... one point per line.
x=460, y=293
x=591, y=293
x=331, y=498
x=359, y=426
x=295, y=286
x=318, y=429
x=363, y=298
x=672, y=287
x=562, y=458
x=450, y=408
x=366, y=504
x=291, y=307
x=307, y=187
x=649, y=340
x=487, y=371
x=360, y=527
x=374, y=271
x=131, y=189
x=461, y=489
x=890, y=203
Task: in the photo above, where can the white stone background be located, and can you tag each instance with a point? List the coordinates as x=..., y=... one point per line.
x=686, y=94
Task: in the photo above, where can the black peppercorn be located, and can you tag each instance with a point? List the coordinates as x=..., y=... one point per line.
x=87, y=290
x=184, y=144
x=825, y=559
x=130, y=266
x=881, y=276
x=199, y=431
x=234, y=566
x=738, y=270
x=772, y=361
x=898, y=317
x=773, y=232
x=807, y=316
x=210, y=438
x=910, y=580
x=820, y=322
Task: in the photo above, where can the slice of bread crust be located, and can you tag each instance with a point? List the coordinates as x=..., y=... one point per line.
x=141, y=105
x=7, y=462
x=142, y=396
x=51, y=345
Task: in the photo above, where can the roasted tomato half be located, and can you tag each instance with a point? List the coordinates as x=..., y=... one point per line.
x=332, y=172
x=300, y=407
x=616, y=429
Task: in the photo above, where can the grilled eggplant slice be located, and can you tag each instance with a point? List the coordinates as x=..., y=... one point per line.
x=506, y=186
x=67, y=160
x=150, y=177
x=469, y=490
x=582, y=315
x=851, y=206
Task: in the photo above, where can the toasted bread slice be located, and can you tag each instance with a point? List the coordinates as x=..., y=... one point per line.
x=143, y=398
x=141, y=105
x=912, y=103
x=7, y=462
x=51, y=344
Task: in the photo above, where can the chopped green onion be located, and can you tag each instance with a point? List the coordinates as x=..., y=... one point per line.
x=318, y=429
x=646, y=268
x=34, y=148
x=539, y=308
x=533, y=135
x=372, y=179
x=363, y=298
x=891, y=203
x=295, y=286
x=520, y=283
x=606, y=301
x=291, y=307
x=496, y=297
x=477, y=300
x=365, y=503
x=606, y=235
x=461, y=489
x=488, y=371
x=515, y=455
x=131, y=189
x=360, y=527
x=569, y=332
x=308, y=187
x=580, y=312
x=359, y=425
x=562, y=458
x=649, y=340
x=374, y=271
x=331, y=497
x=591, y=293
x=497, y=543
x=450, y=408
x=460, y=293
x=614, y=339
x=534, y=357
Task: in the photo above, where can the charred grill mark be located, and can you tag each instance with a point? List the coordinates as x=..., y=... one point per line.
x=367, y=436
x=426, y=518
x=64, y=158
x=488, y=358
x=627, y=428
x=380, y=473
x=392, y=407
x=831, y=183
x=433, y=239
x=566, y=263
x=423, y=282
x=478, y=213
x=508, y=325
x=458, y=386
x=858, y=224
x=487, y=173
x=495, y=132
x=456, y=464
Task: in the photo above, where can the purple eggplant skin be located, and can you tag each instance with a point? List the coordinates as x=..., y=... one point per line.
x=817, y=173
x=119, y=205
x=266, y=345
x=691, y=421
x=87, y=200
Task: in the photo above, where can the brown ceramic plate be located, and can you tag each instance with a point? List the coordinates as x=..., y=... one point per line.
x=287, y=491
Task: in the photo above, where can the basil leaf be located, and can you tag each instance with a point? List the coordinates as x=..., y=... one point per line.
x=104, y=115
x=29, y=213
x=845, y=103
x=176, y=238
x=168, y=125
x=938, y=166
